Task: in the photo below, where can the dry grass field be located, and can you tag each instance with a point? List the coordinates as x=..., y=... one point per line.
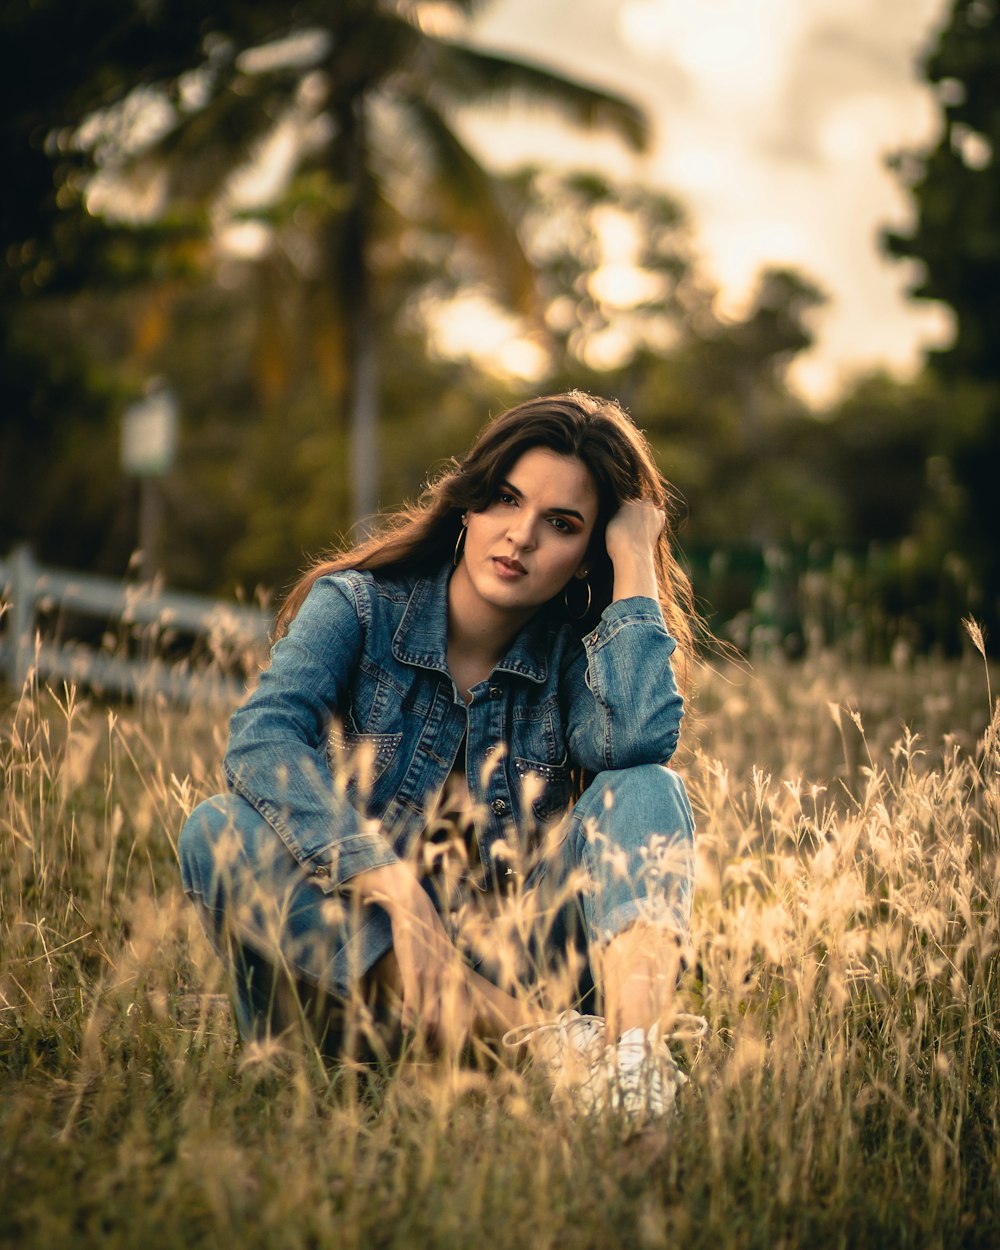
x=847, y=927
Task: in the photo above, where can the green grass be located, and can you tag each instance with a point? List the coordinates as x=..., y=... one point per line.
x=847, y=927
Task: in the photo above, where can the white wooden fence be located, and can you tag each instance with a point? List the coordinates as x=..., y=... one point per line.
x=28, y=589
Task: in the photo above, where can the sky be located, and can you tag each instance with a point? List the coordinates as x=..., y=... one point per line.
x=772, y=123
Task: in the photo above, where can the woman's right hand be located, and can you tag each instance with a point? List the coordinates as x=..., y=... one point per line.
x=437, y=997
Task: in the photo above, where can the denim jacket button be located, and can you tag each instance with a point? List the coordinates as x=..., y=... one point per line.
x=496, y=692
x=321, y=870
x=499, y=806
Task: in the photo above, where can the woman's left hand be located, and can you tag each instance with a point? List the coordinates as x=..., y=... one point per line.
x=634, y=529
x=631, y=539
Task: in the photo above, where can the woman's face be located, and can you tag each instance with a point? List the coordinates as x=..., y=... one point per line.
x=529, y=542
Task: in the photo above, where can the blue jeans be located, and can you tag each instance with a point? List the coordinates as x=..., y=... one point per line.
x=623, y=852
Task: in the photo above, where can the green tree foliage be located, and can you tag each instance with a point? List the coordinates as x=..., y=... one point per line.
x=169, y=104
x=628, y=311
x=723, y=403
x=873, y=451
x=956, y=239
x=58, y=64
x=139, y=244
x=955, y=189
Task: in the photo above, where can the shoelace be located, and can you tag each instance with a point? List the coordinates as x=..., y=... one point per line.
x=643, y=1079
x=687, y=1028
x=567, y=1023
x=570, y=1050
x=642, y=1085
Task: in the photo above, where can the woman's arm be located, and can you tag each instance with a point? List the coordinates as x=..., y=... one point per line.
x=622, y=704
x=631, y=538
x=439, y=993
x=277, y=756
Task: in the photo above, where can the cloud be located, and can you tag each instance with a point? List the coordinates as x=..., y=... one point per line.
x=731, y=50
x=773, y=120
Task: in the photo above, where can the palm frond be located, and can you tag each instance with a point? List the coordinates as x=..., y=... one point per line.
x=469, y=201
x=411, y=9
x=465, y=74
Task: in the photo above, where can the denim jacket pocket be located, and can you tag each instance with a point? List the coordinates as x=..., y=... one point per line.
x=547, y=786
x=358, y=760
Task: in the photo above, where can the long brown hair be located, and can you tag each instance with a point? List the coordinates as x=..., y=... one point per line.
x=420, y=537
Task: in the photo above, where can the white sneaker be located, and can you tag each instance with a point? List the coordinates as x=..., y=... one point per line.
x=642, y=1079
x=571, y=1051
x=638, y=1076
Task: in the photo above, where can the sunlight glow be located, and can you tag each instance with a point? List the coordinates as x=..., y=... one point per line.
x=439, y=19
x=699, y=167
x=305, y=47
x=974, y=148
x=270, y=166
x=474, y=327
x=774, y=121
x=736, y=257
x=260, y=180
x=858, y=124
x=728, y=47
x=131, y=126
x=625, y=286
x=607, y=349
x=245, y=240
x=521, y=358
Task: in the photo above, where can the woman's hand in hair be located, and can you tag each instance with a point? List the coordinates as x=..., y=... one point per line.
x=631, y=538
x=437, y=997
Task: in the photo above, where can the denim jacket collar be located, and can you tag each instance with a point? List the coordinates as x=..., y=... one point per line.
x=422, y=636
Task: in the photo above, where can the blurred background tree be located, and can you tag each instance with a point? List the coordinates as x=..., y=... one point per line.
x=58, y=443
x=274, y=209
x=956, y=239
x=627, y=311
x=313, y=142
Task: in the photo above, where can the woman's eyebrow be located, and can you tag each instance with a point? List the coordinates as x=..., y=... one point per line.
x=558, y=511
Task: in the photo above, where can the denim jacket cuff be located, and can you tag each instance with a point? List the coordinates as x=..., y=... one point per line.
x=334, y=866
x=622, y=613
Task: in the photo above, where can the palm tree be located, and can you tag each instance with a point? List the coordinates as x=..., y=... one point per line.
x=387, y=88
x=382, y=55
x=393, y=89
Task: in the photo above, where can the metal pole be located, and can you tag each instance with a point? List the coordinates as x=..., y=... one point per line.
x=150, y=526
x=21, y=650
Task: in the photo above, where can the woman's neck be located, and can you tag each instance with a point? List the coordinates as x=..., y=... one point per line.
x=482, y=642
x=478, y=637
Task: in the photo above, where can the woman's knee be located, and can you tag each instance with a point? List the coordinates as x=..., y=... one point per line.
x=197, y=839
x=650, y=797
x=213, y=837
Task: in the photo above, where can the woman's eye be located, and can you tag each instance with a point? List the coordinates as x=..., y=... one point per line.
x=562, y=526
x=505, y=497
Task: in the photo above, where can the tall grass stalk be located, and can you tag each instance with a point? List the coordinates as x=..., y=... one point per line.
x=847, y=929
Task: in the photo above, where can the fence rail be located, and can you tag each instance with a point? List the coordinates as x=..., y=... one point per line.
x=28, y=589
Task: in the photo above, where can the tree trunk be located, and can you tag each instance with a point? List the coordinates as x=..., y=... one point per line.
x=362, y=356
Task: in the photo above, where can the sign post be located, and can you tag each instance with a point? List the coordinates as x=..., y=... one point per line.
x=149, y=448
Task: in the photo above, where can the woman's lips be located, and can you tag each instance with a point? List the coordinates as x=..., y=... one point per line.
x=510, y=569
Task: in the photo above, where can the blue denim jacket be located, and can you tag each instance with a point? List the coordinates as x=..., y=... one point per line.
x=353, y=729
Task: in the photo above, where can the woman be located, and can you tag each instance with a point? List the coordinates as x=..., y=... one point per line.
x=448, y=804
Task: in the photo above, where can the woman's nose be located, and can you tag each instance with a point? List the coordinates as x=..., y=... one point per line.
x=521, y=531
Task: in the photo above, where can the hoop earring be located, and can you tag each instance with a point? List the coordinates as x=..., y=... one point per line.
x=459, y=547
x=569, y=611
